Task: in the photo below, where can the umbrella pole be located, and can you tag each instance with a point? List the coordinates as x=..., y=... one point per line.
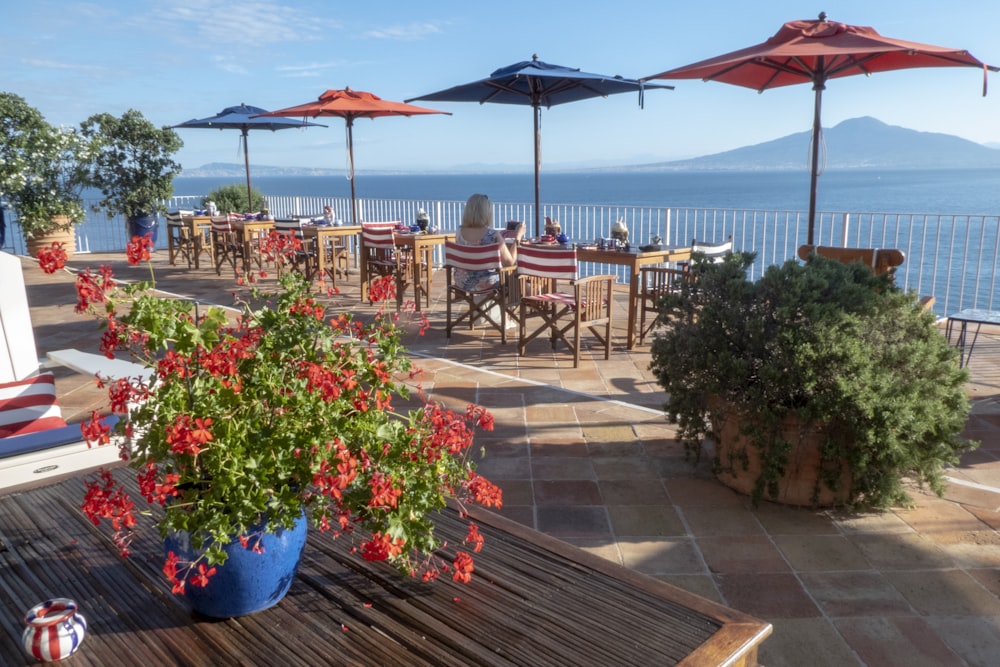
x=350, y=167
x=538, y=166
x=246, y=163
x=814, y=167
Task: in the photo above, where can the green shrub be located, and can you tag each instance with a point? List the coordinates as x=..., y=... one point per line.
x=830, y=343
x=233, y=199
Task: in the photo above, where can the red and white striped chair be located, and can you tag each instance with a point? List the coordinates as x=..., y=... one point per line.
x=490, y=306
x=380, y=257
x=561, y=314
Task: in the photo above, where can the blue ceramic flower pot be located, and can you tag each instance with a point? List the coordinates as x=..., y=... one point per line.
x=141, y=225
x=247, y=582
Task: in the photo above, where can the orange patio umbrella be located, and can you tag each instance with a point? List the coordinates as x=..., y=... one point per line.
x=350, y=104
x=813, y=52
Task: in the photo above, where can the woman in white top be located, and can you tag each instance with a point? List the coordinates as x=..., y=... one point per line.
x=477, y=229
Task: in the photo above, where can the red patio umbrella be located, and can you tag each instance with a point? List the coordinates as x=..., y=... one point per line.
x=815, y=51
x=350, y=104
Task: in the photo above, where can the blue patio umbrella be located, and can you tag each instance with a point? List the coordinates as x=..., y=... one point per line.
x=535, y=83
x=244, y=118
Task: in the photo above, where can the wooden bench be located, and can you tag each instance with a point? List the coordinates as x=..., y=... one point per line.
x=533, y=600
x=880, y=260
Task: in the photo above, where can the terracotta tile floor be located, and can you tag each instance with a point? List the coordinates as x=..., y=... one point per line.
x=586, y=455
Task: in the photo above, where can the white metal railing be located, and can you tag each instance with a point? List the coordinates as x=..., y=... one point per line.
x=954, y=257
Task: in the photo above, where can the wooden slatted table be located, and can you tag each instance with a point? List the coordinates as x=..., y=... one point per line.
x=533, y=601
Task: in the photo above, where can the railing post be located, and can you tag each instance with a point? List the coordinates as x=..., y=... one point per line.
x=845, y=230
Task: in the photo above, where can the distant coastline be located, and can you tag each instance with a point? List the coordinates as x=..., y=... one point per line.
x=859, y=143
x=964, y=191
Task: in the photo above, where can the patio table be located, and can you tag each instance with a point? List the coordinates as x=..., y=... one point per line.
x=321, y=235
x=533, y=600
x=634, y=259
x=964, y=318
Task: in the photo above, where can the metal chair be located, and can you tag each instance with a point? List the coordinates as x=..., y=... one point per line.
x=561, y=314
x=487, y=305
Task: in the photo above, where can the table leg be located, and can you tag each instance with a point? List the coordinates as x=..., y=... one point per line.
x=416, y=260
x=363, y=272
x=633, y=298
x=427, y=258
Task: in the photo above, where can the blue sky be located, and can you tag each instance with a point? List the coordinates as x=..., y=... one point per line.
x=179, y=59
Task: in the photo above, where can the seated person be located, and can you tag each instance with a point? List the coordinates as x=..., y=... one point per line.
x=477, y=229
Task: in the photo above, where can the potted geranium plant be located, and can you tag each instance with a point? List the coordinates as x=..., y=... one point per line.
x=818, y=384
x=41, y=173
x=133, y=167
x=250, y=427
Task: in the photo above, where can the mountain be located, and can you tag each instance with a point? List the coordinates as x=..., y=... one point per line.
x=238, y=170
x=857, y=143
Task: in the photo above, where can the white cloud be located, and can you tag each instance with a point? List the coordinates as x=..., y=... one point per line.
x=247, y=23
x=408, y=32
x=55, y=64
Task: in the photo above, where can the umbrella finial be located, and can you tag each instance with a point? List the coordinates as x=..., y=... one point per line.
x=534, y=56
x=822, y=16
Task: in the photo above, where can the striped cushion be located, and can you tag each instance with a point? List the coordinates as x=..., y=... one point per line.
x=29, y=405
x=557, y=263
x=378, y=235
x=472, y=257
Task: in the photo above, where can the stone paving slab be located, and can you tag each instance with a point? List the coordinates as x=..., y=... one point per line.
x=586, y=455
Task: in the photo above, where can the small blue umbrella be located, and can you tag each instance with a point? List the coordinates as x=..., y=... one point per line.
x=535, y=83
x=244, y=118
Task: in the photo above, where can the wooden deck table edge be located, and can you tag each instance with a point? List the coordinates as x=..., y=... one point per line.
x=532, y=600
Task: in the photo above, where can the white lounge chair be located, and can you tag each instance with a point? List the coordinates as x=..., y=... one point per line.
x=32, y=454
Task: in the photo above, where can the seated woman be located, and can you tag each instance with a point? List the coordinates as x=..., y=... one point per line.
x=477, y=229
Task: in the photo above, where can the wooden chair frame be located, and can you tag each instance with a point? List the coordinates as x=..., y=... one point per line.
x=655, y=283
x=478, y=303
x=382, y=258
x=227, y=247
x=562, y=314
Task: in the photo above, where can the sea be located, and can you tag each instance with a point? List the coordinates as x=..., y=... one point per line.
x=949, y=191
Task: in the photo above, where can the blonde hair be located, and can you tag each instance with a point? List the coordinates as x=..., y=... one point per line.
x=478, y=212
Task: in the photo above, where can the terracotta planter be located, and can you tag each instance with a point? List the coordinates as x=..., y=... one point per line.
x=738, y=463
x=66, y=236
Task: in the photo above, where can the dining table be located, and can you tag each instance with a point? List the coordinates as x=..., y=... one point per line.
x=333, y=238
x=633, y=259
